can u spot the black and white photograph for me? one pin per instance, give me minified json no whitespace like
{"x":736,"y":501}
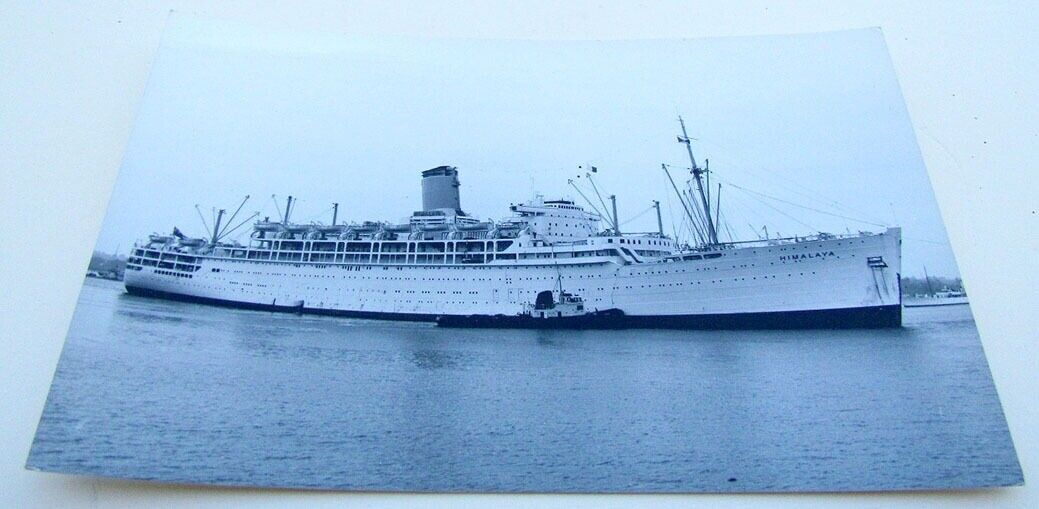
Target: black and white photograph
{"x":415,"y":264}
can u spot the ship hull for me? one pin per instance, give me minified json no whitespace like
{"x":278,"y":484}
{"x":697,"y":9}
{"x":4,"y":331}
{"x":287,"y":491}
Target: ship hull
{"x":275,"y":307}
{"x":834,"y":283}
{"x":847,"y":318}
{"x":854,"y":318}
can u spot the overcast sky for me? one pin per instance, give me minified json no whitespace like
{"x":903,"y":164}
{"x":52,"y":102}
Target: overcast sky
{"x":814,"y":120}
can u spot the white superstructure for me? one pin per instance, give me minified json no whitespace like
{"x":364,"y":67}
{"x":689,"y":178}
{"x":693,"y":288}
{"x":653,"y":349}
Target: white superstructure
{"x":444,"y":264}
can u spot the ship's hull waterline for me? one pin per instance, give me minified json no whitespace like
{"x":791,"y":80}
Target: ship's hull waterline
{"x":848,"y":282}
{"x":860,"y":318}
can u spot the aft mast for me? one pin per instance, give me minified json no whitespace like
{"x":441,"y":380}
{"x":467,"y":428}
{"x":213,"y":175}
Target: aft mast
{"x":216,"y":227}
{"x":698,"y":173}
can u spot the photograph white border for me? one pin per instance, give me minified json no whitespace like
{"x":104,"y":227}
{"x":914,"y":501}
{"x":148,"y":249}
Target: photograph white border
{"x":75,"y":75}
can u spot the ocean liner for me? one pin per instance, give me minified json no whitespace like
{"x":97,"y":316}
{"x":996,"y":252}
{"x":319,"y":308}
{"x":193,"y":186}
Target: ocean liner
{"x":552,"y":263}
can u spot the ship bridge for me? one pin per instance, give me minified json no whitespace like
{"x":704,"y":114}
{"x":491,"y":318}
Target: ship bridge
{"x":557,"y":220}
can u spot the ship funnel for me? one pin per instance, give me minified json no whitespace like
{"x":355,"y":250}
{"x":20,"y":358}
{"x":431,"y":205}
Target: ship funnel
{"x":440,"y":189}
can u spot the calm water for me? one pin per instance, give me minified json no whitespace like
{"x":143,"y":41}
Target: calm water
{"x":180,"y":392}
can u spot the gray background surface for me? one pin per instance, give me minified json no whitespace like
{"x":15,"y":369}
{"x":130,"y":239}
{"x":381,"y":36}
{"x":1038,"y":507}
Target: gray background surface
{"x":74,"y":75}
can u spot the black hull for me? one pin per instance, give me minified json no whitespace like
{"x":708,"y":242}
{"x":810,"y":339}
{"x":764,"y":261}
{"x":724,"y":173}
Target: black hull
{"x":278,"y":308}
{"x":855,"y":318}
{"x":850,"y":318}
{"x":607,"y":319}
{"x":875,"y":317}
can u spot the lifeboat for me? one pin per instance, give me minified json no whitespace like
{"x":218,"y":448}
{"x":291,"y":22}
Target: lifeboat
{"x":475,"y":226}
{"x":397,"y":228}
{"x":267,"y":226}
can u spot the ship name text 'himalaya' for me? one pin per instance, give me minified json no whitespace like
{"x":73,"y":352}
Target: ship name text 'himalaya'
{"x":552,"y":263}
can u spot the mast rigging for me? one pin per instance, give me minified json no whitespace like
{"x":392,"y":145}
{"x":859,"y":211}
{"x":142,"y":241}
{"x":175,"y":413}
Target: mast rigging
{"x":698,"y":174}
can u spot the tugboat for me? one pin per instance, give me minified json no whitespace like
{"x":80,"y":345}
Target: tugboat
{"x":545,"y":306}
{"x":547,"y":312}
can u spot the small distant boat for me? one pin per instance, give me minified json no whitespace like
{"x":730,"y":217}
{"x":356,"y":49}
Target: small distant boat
{"x":943,"y":297}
